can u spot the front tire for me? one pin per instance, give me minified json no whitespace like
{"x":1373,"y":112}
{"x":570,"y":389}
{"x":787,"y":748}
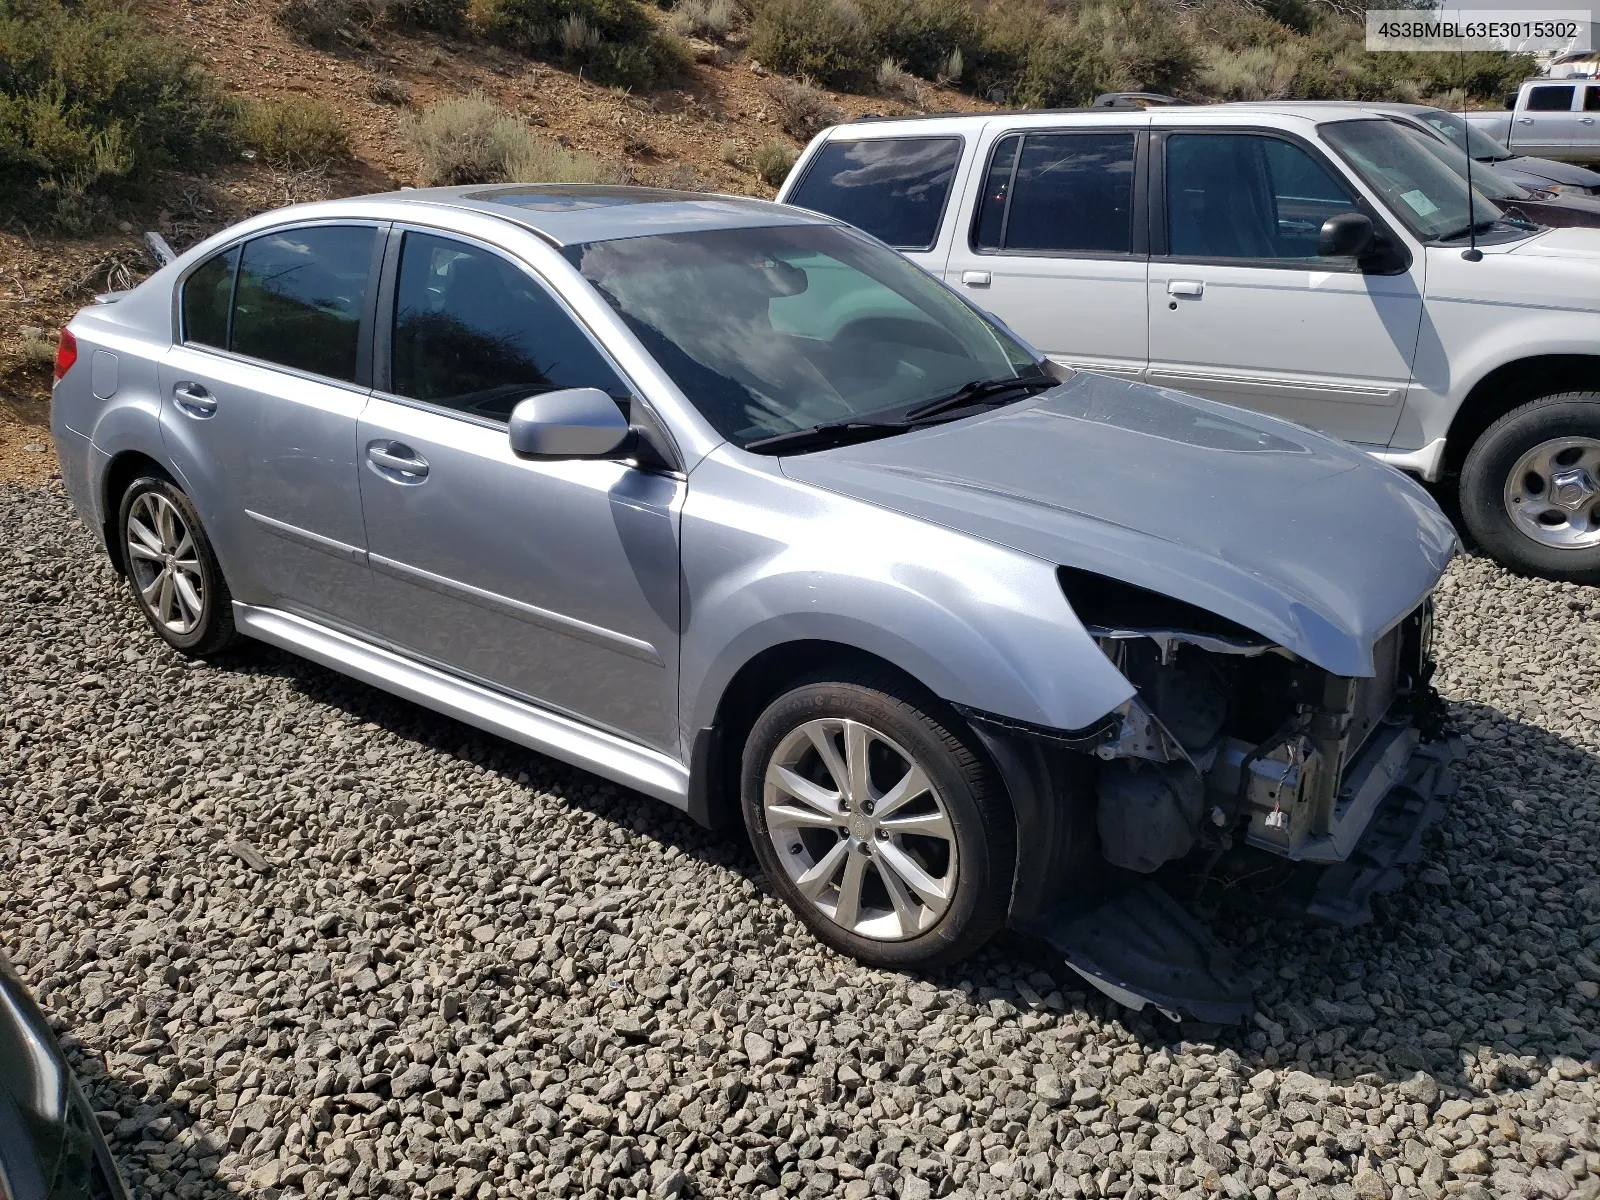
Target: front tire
{"x":1530,"y":488}
{"x":878,"y":821}
{"x":172,"y":570}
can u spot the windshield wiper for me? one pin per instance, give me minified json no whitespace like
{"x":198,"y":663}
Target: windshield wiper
{"x":979,"y":391}
{"x":831,"y":433}
{"x":1479,"y":227}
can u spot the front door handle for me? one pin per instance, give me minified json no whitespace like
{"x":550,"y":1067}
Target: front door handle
{"x":397,"y":461}
{"x":975,"y":278}
{"x":1585,"y":120}
{"x":194,"y":399}
{"x":1524,"y":120}
{"x":1185,"y":287}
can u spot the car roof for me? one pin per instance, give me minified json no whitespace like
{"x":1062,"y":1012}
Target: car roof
{"x":569,"y":214}
{"x":933,"y":124}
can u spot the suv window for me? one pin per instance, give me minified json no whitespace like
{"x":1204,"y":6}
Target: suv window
{"x":207,"y":296}
{"x":1550,"y":99}
{"x":474,"y":333}
{"x":1060,"y":192}
{"x":1240,"y":195}
{"x":1591,"y":98}
{"x":894,"y":188}
{"x":300,"y":296}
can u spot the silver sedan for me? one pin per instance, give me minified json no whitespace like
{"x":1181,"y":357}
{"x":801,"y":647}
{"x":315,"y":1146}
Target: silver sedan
{"x":727,"y":502}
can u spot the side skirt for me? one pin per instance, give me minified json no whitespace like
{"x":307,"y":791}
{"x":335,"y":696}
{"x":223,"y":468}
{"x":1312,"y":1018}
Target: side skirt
{"x":561,"y":737}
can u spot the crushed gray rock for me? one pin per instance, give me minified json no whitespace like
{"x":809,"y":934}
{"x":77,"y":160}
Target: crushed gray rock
{"x":461,"y":970}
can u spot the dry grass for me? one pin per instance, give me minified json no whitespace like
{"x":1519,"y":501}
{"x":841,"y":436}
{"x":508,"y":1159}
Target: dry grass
{"x":470,"y":139}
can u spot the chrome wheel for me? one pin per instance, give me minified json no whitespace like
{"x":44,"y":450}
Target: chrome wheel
{"x":860,"y":829}
{"x":164,"y":563}
{"x":1553,"y":493}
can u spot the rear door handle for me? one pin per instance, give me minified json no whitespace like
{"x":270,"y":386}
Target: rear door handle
{"x":975,"y":278}
{"x":1185,"y":287}
{"x":194,"y":399}
{"x":397,"y":461}
{"x":1585,"y":120}
{"x":1524,"y":120}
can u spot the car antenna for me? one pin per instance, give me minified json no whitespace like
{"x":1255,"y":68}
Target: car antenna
{"x":1471,"y":253}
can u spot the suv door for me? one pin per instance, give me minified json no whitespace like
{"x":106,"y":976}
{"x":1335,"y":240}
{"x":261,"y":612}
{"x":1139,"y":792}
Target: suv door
{"x":554,"y":580}
{"x":1244,"y":310}
{"x":260,"y":395}
{"x":1056,"y":245}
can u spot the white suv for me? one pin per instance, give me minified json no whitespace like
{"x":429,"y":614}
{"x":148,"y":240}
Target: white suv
{"x":1312,"y":263}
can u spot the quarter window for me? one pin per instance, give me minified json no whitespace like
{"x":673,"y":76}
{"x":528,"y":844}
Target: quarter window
{"x":1591,"y":98}
{"x":207,"y":296}
{"x":1247,"y":196}
{"x":894,"y":188}
{"x":299,"y":298}
{"x":1550,"y":99}
{"x":1066,"y":193}
{"x":476,"y":334}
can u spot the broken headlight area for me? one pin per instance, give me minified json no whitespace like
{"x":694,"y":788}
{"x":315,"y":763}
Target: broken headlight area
{"x":1232,"y":741}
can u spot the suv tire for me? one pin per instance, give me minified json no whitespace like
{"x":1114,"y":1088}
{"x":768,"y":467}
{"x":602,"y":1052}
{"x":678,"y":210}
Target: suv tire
{"x":878,"y":820}
{"x":172,"y":570}
{"x":1530,"y":488}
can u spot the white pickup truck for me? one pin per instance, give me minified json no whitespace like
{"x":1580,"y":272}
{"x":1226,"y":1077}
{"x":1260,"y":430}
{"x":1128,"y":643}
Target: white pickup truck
{"x":1315,"y":263}
{"x":1550,"y":118}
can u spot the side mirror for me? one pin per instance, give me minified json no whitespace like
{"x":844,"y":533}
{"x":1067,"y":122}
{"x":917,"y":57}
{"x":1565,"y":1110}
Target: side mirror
{"x":570,"y":423}
{"x":1348,"y":235}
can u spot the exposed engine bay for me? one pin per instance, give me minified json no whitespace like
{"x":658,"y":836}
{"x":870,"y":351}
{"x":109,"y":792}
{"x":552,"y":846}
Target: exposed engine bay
{"x":1232,"y":740}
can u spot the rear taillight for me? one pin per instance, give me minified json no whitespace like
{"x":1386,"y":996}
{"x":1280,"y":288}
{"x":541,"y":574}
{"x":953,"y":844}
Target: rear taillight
{"x":66,"y":353}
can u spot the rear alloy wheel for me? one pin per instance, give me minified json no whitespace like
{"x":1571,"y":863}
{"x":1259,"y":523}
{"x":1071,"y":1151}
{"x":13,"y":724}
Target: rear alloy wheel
{"x":879,"y":826}
{"x":171,"y":569}
{"x":1530,"y":488}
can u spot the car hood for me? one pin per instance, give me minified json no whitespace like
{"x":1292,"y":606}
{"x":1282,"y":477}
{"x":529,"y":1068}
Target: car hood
{"x":1571,"y":244}
{"x":1547,"y":170}
{"x":1301,"y":538}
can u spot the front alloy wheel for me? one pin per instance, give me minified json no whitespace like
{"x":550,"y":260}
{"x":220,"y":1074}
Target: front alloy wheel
{"x":860,"y":829}
{"x":878,"y":820}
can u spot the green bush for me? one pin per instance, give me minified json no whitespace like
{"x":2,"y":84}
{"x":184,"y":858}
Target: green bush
{"x":91,"y":103}
{"x":772,"y":160}
{"x":921,"y":35}
{"x":470,"y":139}
{"x":294,"y":134}
{"x":446,"y":15}
{"x":611,"y":41}
{"x":824,"y":40}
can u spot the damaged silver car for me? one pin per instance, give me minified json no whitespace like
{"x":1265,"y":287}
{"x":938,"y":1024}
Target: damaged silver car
{"x":729,"y":503}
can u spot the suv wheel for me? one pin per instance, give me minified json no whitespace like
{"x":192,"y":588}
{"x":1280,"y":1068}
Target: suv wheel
{"x":1530,"y":488}
{"x":880,"y":826}
{"x":172,"y":570}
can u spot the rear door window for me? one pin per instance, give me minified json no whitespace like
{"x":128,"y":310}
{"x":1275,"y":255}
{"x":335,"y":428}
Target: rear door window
{"x":894,"y":188}
{"x":1591,"y":98}
{"x":300,"y":296}
{"x":1064,"y":193}
{"x":207,"y":296}
{"x":1550,"y":99}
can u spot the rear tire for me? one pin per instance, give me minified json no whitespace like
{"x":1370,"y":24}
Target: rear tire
{"x":1530,"y":488}
{"x":878,"y":820}
{"x":172,"y":570}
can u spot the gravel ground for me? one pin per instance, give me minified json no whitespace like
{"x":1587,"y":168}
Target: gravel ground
{"x":304,"y":938}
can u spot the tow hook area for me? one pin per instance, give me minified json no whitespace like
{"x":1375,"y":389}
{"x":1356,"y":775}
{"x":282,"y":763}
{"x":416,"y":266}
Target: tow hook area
{"x":1135,"y":942}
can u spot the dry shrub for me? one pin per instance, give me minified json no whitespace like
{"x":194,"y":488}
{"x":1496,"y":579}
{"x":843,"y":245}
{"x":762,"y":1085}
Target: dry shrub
{"x":470,"y":139}
{"x":772,"y":160}
{"x":730,"y":153}
{"x":893,"y":80}
{"x":330,"y":24}
{"x":611,"y":41}
{"x":825,"y":40}
{"x":710,"y":19}
{"x":803,"y":111}
{"x":294,"y":135}
{"x":921,"y":35}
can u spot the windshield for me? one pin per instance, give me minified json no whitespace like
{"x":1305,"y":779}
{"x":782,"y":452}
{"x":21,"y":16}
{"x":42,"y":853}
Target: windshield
{"x":779,"y":329}
{"x":1482,"y":147}
{"x":1485,"y":179}
{"x":1416,"y":182}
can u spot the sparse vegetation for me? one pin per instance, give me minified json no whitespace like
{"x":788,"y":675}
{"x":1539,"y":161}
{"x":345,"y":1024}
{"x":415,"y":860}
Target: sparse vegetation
{"x":470,"y":139}
{"x":730,"y":153}
{"x":893,"y":80}
{"x":711,"y":19}
{"x":91,"y":105}
{"x":611,"y":41}
{"x":772,"y":161}
{"x":802,"y":110}
{"x":294,"y":135}
{"x":332,"y":24}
